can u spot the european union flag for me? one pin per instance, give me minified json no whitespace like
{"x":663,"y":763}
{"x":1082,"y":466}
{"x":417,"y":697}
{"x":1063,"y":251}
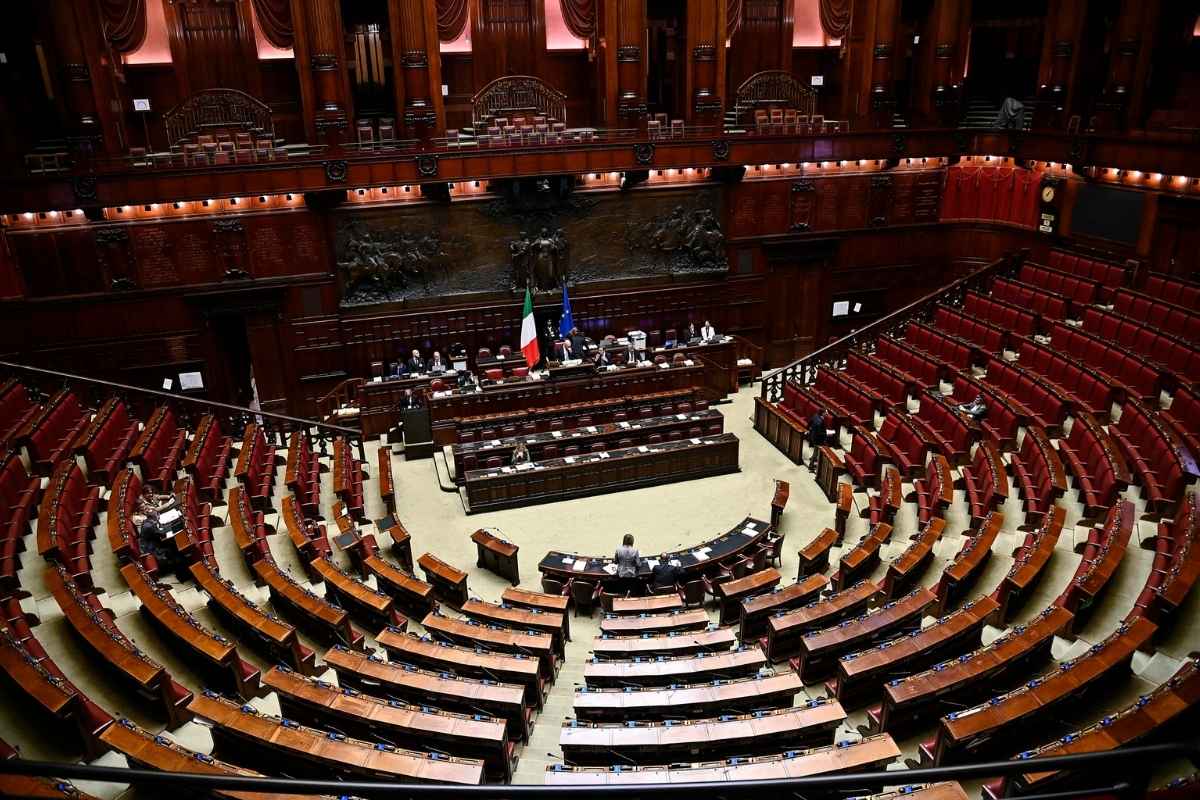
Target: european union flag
{"x":566,"y":321}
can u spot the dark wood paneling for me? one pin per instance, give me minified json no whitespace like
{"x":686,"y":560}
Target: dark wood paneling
{"x":762,"y":41}
{"x":508,"y":37}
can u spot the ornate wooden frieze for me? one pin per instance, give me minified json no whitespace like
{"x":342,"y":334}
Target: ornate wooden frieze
{"x":629,"y":54}
{"x":414,"y":59}
{"x":336,"y":171}
{"x":427,"y":166}
{"x":721,"y":150}
{"x":704,"y":52}
{"x":643,"y":153}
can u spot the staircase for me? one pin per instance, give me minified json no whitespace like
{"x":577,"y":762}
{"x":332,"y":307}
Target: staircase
{"x":981,"y":113}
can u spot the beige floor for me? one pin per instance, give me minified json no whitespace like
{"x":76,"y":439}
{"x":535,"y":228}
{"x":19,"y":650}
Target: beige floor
{"x":660,"y":518}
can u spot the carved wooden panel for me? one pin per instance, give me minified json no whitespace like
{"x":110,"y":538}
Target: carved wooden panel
{"x":212,"y":46}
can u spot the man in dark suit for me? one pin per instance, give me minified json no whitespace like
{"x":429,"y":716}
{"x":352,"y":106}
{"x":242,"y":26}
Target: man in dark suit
{"x":568,"y":351}
{"x":578,"y":342}
{"x":436,"y":364}
{"x":416,"y":363}
{"x":602,"y":360}
{"x":816,"y":437}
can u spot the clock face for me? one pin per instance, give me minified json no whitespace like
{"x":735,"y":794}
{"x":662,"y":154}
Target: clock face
{"x":1048,"y":194}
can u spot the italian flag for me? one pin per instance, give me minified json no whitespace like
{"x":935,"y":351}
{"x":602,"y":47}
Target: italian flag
{"x":529,"y":345}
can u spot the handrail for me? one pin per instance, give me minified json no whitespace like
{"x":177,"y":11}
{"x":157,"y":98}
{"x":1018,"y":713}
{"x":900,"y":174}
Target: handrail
{"x":803,"y":370}
{"x":1134,"y":776}
{"x":337,"y":397}
{"x":234,"y":419}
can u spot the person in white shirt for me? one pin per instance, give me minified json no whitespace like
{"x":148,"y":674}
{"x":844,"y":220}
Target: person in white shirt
{"x":708,"y":332}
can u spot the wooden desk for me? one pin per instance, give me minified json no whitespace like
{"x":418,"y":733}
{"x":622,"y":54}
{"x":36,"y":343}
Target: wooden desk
{"x":387,"y":487}
{"x":814,"y":556}
{"x":754,"y":611}
{"x":470,"y":632}
{"x":783,"y":491}
{"x":669,"y":644}
{"x":691,"y":700}
{"x":380,"y":402}
{"x":861,"y":675}
{"x":144,"y":750}
{"x":730,"y":594}
{"x":961,"y":573}
{"x":372,"y":608}
{"x":449,"y":583}
{"x":695,"y":619}
{"x":655,"y":741}
{"x":593,"y":473}
{"x":213,"y":651}
{"x":145,"y":675}
{"x":524,"y":598}
{"x":310,"y":611}
{"x":496,"y":554}
{"x":785,"y":630}
{"x":28,"y":787}
{"x":268,"y":633}
{"x":1028,"y":563}
{"x":819,"y":650}
{"x":322,"y":704}
{"x":470,"y":455}
{"x":862,"y":558}
{"x":528,"y":396}
{"x":1174,"y":700}
{"x":872,"y":753}
{"x":473,"y":662}
{"x":308,"y":752}
{"x":413,"y":595}
{"x":701,"y":559}
{"x":401,"y":542}
{"x":829,"y":467}
{"x":375,"y":676}
{"x":529,"y":619}
{"x":665,"y":670}
{"x":845,"y":501}
{"x":927,"y":693}
{"x":649,"y":604}
{"x":905,"y":571}
{"x":1098,"y":565}
{"x":974,"y":733}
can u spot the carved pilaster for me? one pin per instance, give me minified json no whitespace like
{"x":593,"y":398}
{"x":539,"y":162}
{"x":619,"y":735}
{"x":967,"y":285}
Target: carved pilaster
{"x":419,"y":76}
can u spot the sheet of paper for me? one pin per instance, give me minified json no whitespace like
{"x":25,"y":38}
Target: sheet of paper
{"x":580,"y":563}
{"x":611,"y":569}
{"x":651,"y":562}
{"x":569,"y":459}
{"x":695,"y":441}
{"x":643,"y":449}
{"x":556,"y":434}
{"x":569,"y":560}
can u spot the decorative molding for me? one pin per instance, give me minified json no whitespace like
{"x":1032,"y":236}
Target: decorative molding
{"x":324,"y":62}
{"x":720,"y":150}
{"x":236,"y":274}
{"x":420,"y":116}
{"x":704,"y":52}
{"x":629,"y":53}
{"x":336,"y":171}
{"x":899,"y":144}
{"x":85,"y":188}
{"x":1076,"y":150}
{"x":414,"y":59}
{"x":944,"y":51}
{"x":228,"y":226}
{"x":883,"y":50}
{"x":1129,"y":47}
{"x":79,"y":73}
{"x":881,"y":181}
{"x":108,"y":237}
{"x":643,"y":153}
{"x":804,"y":185}
{"x":331,"y":122}
{"x":631,"y":106}
{"x":707,"y":102}
{"x":123,"y":285}
{"x":1063,"y":49}
{"x":427,"y":165}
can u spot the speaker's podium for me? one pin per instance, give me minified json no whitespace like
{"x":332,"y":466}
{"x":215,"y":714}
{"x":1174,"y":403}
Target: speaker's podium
{"x":418,"y":433}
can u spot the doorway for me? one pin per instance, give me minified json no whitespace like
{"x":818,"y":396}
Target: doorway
{"x":666,"y":57}
{"x":233,"y":363}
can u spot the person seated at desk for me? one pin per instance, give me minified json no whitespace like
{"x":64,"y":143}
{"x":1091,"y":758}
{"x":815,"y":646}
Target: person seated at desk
{"x":602,"y":361}
{"x":976,"y":409}
{"x":436,"y":364}
{"x":567,"y":351}
{"x":415,"y":363}
{"x":520,"y":454}
{"x":708,"y":332}
{"x":664,"y":576}
{"x":151,"y":535}
{"x":628,"y":560}
{"x":689,"y":333}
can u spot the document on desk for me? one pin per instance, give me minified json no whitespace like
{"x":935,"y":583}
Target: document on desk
{"x":695,"y":441}
{"x":591,"y":429}
{"x":651,"y":563}
{"x":611,"y":569}
{"x":623,"y":424}
{"x":580,"y":564}
{"x":569,"y":459}
{"x":643,"y":449}
{"x":168,"y":517}
{"x":556,"y":434}
{"x":681,"y":416}
{"x":701,"y":554}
